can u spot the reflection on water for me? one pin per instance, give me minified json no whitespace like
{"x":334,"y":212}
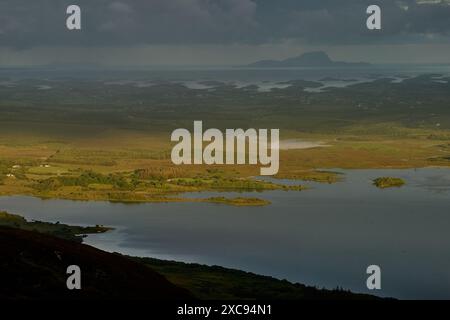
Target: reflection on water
{"x":325,"y":236}
{"x":435,"y":183}
{"x":292,"y":144}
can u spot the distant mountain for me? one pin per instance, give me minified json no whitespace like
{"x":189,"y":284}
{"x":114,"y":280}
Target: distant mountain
{"x":309,"y":59}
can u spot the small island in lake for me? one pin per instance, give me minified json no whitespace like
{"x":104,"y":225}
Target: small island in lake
{"x":239,"y":201}
{"x":388,"y":182}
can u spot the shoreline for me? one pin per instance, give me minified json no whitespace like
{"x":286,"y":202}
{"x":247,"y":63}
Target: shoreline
{"x":150,"y":278}
{"x":236,"y":201}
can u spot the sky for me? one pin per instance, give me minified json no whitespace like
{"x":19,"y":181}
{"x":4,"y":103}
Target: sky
{"x":221,"y":32}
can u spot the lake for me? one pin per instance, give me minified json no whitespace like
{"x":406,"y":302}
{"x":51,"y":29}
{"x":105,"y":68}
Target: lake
{"x":325,"y":236}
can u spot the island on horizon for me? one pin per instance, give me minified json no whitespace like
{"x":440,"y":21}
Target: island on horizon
{"x":308,"y":59}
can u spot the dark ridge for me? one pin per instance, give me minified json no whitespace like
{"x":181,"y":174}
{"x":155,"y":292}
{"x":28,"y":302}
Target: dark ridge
{"x":33,"y":266}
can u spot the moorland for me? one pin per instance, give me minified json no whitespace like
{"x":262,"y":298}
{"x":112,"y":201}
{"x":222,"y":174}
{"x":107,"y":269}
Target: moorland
{"x":94,"y":139}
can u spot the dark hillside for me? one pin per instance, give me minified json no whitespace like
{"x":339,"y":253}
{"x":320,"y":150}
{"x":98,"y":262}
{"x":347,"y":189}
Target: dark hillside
{"x":33,"y":265}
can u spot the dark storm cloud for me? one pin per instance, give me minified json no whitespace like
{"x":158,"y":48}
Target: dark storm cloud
{"x":25,"y":23}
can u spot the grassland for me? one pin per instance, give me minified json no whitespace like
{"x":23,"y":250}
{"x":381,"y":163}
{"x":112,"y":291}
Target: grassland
{"x":86,"y":140}
{"x":130,"y":166}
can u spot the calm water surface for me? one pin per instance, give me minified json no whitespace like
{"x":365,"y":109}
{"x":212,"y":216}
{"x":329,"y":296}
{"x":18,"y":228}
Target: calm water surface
{"x":325,"y":236}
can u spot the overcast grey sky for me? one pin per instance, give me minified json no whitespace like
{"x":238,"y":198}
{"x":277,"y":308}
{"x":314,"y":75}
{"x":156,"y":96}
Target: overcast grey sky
{"x":221,"y":32}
